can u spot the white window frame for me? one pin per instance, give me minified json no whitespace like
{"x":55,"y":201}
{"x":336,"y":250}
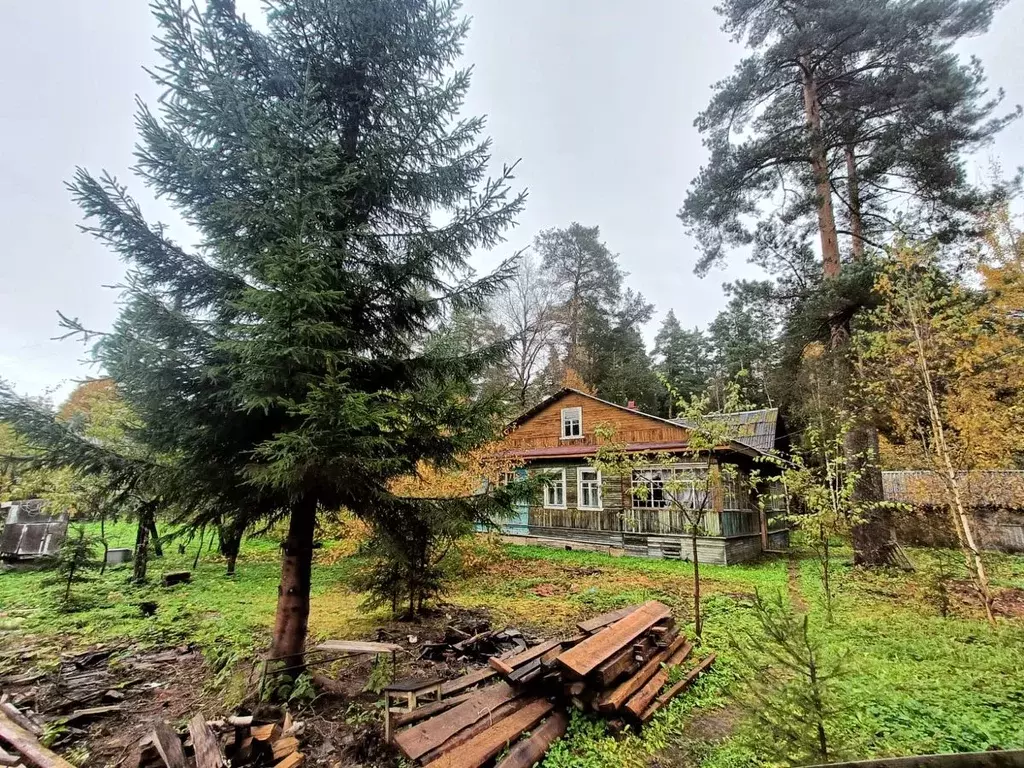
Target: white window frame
{"x":578,"y":412}
{"x":637,"y":501}
{"x":579,"y":489}
{"x":548,"y":504}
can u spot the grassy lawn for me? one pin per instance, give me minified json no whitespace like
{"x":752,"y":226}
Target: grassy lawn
{"x":914,"y":682}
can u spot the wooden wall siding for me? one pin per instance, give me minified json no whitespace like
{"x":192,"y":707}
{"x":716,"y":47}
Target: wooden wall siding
{"x":544,"y":428}
{"x":577,"y":519}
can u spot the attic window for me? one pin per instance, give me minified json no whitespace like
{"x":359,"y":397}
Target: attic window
{"x":572,"y":423}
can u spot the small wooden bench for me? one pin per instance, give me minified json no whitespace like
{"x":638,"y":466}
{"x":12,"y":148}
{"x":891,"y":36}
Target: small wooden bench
{"x":408,"y":690}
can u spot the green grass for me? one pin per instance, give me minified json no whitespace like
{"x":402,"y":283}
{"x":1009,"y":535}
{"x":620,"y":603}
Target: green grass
{"x":915,"y":682}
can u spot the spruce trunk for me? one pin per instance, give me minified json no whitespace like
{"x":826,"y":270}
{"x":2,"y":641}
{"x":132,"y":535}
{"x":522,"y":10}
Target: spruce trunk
{"x":819,"y":170}
{"x":141,"y":547}
{"x":289,"y":644}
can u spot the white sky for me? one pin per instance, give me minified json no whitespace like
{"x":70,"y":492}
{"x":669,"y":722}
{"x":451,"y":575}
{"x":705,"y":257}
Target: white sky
{"x":596,"y":97}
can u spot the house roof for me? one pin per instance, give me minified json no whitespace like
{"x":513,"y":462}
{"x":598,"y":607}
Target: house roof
{"x":981,"y":487}
{"x":753,"y":428}
{"x":742,"y":446}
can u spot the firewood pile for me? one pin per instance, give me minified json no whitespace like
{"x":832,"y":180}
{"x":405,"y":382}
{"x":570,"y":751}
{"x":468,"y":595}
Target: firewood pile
{"x":618,"y":666}
{"x":235,"y":741}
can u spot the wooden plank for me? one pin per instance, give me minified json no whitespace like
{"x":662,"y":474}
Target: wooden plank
{"x":531,"y":653}
{"x":525,"y":670}
{"x":643,"y":698}
{"x":168,"y":745}
{"x":420,"y":739}
{"x":500,"y":665}
{"x":294,"y":760}
{"x":26,"y":745}
{"x":466,"y":734}
{"x":477,"y":751}
{"x":23,"y":720}
{"x":596,"y":649}
{"x":590,"y":626}
{"x":532,"y":750}
{"x":400,"y":719}
{"x":467,"y":681}
{"x":614,"y":699}
{"x":82,"y":714}
{"x":351,"y":646}
{"x":678,"y":688}
{"x":207,"y":747}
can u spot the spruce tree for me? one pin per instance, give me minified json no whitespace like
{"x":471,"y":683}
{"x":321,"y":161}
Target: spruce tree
{"x":683,"y":359}
{"x":336,"y":194}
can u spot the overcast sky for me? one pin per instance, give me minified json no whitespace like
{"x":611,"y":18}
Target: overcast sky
{"x":597,"y":97}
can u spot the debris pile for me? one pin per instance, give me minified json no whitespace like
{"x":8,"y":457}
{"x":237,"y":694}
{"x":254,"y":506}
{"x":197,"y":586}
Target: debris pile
{"x":618,"y":666}
{"x":474,"y":641}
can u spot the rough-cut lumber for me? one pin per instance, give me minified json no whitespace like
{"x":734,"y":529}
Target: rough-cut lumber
{"x":400,"y":719}
{"x":478,"y":750}
{"x":351,"y":646}
{"x":206,"y":744}
{"x":532,"y":750}
{"x":598,"y":622}
{"x":294,"y":760}
{"x":525,"y":671}
{"x":596,"y":649}
{"x":643,"y":698}
{"x":467,"y":681}
{"x":466,"y":734}
{"x":678,"y":688}
{"x":623,"y":663}
{"x":613,"y":699}
{"x":425,"y":736}
{"x":26,"y":745}
{"x":21,"y":718}
{"x":531,"y":653}
{"x":168,"y":746}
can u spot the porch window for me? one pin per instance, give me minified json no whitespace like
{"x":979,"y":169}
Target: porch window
{"x":664,"y":487}
{"x":554,"y":490}
{"x":572,"y":423}
{"x":589,"y":488}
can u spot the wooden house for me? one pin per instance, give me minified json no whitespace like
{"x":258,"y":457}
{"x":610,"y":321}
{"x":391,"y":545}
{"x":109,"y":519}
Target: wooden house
{"x":995,"y":498}
{"x":639,"y":515}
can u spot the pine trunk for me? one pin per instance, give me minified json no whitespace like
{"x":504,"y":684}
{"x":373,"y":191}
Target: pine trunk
{"x":289,"y":643}
{"x":819,"y":170}
{"x":853,"y":190}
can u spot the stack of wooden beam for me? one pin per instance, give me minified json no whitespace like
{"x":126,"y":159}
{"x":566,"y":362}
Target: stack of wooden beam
{"x":618,"y":666}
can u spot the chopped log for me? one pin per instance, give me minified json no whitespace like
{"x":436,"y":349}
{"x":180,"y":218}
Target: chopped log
{"x":284,"y":747}
{"x":590,"y":626}
{"x":678,"y":688}
{"x":478,"y":750}
{"x":597,"y":649}
{"x":497,"y":715}
{"x":613,"y":699}
{"x":21,"y":718}
{"x":240,"y":721}
{"x":532,"y":750}
{"x":206,"y":744}
{"x":176,"y":577}
{"x":422,"y":738}
{"x":168,"y":746}
{"x":267,"y":732}
{"x":294,"y":760}
{"x":621,"y":664}
{"x":643,"y":698}
{"x":575,"y":689}
{"x":467,"y":681}
{"x":400,"y":719}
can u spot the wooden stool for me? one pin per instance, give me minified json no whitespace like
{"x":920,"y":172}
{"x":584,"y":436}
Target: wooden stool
{"x":408,"y":690}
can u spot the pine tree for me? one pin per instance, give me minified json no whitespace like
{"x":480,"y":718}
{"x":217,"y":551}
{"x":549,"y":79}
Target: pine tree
{"x":683,"y":359}
{"x":337,"y":195}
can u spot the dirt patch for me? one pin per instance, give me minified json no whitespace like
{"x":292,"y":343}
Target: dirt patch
{"x":1007,"y":602}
